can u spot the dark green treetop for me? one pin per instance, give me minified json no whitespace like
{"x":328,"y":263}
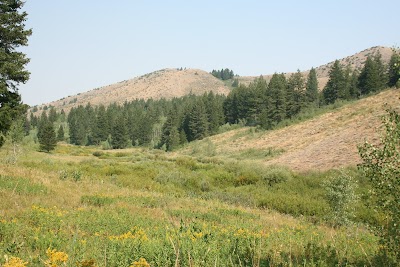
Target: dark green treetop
{"x":12,"y":63}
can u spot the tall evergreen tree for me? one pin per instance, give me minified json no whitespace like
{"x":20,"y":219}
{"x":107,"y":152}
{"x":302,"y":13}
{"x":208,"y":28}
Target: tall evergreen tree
{"x":60,"y":133}
{"x":277,"y":94}
{"x":101,"y":126}
{"x":119,"y":133}
{"x":198,"y":121}
{"x":295,"y":94}
{"x":47,"y":136}
{"x":335,"y":83}
{"x":373,"y":76}
{"x":52,"y":115}
{"x":312,"y":87}
{"x":12,"y":63}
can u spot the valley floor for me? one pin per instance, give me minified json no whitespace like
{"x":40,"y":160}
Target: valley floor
{"x":138,"y":207}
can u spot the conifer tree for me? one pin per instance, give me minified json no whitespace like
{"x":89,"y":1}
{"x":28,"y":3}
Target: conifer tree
{"x":295,"y":94}
{"x":12,"y":63}
{"x":101,"y":126}
{"x":312,"y":87}
{"x":230,"y":107}
{"x":119,"y":133}
{"x":335,"y":83}
{"x":47,"y":136}
{"x":277,"y":95}
{"x":60,"y":133}
{"x":373,"y":75}
{"x":52,"y":115}
{"x":198,"y":121}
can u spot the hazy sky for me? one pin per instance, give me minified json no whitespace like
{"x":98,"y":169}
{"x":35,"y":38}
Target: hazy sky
{"x":79,"y":45}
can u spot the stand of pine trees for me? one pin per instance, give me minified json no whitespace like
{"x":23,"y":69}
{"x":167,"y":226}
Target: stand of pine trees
{"x":169,"y":124}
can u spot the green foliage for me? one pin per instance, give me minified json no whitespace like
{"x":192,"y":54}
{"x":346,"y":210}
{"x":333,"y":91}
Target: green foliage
{"x":119,"y":134}
{"x":12,"y":63}
{"x":312,"y":87}
{"x":394,"y":69}
{"x":60,"y":133}
{"x":341,"y":197}
{"x":381,"y":166}
{"x":47,"y":136}
{"x":333,"y":89}
{"x":373,"y":76}
{"x":223,"y":74}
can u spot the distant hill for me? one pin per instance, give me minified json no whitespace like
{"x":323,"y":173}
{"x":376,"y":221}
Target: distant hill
{"x":170,"y":83}
{"x":356,"y":61}
{"x":166,"y":83}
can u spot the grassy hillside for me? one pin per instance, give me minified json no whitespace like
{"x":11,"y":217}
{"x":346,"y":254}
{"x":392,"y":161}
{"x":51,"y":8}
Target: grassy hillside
{"x":328,"y":140}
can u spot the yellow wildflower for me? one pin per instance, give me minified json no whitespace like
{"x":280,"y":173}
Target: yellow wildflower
{"x":15,"y":262}
{"x":141,"y":263}
{"x":55,"y":258}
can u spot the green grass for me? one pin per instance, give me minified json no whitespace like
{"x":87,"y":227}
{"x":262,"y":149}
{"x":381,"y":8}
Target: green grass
{"x":197,"y":211}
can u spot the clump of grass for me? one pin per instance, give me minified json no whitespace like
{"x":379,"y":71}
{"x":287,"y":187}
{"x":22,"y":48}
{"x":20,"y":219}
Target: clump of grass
{"x":97,"y":200}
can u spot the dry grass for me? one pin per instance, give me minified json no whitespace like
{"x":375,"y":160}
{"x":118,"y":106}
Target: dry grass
{"x":325,"y":142}
{"x":166,"y":83}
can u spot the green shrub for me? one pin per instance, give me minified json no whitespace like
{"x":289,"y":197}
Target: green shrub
{"x":98,"y":153}
{"x":276,"y":174}
{"x":341,"y":197}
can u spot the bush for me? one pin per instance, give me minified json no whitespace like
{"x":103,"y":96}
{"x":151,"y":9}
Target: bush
{"x":98,"y":153}
{"x":341,"y":197}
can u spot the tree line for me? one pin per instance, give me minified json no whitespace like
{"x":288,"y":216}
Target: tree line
{"x":168,"y":124}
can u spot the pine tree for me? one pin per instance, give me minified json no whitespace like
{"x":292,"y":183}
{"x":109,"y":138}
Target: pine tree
{"x":373,"y":75}
{"x":312,"y":87}
{"x":277,"y":94}
{"x":198,"y":121}
{"x":47,"y":136}
{"x":295,"y":94}
{"x":52,"y":115}
{"x":119,"y":133}
{"x":335,"y":83}
{"x":173,"y":140}
{"x":12,"y":63}
{"x":60,"y":133}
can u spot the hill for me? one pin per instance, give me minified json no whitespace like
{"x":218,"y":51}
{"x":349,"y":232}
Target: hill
{"x":170,"y":83}
{"x":166,"y":83}
{"x":355,"y":61}
{"x":321,"y":143}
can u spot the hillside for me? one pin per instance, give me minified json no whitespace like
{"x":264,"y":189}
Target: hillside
{"x":166,"y":83}
{"x":355,"y":61}
{"x":170,"y":83}
{"x":324,"y":142}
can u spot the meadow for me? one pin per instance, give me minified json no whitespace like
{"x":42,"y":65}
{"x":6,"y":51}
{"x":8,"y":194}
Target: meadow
{"x":83,"y":206}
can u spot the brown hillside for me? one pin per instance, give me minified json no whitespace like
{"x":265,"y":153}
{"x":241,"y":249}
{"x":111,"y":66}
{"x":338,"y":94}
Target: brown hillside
{"x":324,"y":142}
{"x":355,"y":61}
{"x":166,"y":83}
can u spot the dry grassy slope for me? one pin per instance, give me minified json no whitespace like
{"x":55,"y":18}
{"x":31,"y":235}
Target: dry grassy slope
{"x":325,"y":142}
{"x":166,"y":83}
{"x":355,"y":61}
